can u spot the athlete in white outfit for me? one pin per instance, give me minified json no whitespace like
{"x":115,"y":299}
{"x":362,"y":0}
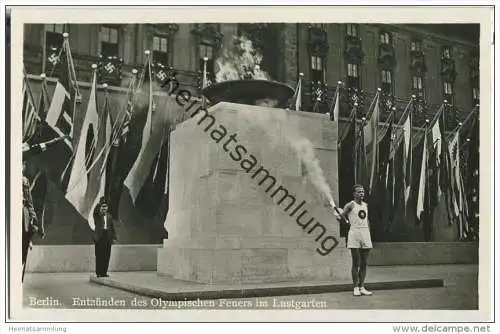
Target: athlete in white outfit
{"x":358,"y":239}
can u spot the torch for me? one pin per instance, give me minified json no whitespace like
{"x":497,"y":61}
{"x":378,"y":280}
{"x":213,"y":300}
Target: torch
{"x":341,"y":218}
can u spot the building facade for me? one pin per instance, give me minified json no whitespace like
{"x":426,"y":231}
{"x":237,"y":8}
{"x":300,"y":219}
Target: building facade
{"x":432,"y":62}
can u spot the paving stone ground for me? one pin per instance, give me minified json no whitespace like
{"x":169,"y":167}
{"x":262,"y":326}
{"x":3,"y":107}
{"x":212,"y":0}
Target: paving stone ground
{"x":460,"y":291}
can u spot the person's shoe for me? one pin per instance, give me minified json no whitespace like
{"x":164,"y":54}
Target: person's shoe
{"x":105,"y":275}
{"x":356,"y":292}
{"x":365,"y":292}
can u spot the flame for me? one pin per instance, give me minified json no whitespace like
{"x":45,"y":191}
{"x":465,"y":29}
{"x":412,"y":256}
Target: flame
{"x":242,"y":62}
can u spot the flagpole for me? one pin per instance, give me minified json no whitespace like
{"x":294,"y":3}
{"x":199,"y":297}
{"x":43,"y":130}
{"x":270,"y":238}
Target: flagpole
{"x":204,"y":82}
{"x":296,"y":99}
{"x":143,"y":72}
{"x":333,"y":105}
{"x":372,"y":104}
{"x":351,"y":116}
{"x":407,"y":109}
{"x":44,"y":49}
{"x":460,"y":124}
{"x":71,"y":65}
{"x":400,"y":123}
{"x":356,"y":141}
{"x":438,"y":114}
{"x":388,"y":120}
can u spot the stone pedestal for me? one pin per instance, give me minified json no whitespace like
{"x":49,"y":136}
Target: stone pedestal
{"x":227,"y":225}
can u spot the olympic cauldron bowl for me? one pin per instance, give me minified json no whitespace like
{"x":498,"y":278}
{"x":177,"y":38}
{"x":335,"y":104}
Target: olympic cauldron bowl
{"x":253,"y":92}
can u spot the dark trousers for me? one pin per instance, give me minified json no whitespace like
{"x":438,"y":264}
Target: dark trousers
{"x":26,"y":244}
{"x":103,"y":252}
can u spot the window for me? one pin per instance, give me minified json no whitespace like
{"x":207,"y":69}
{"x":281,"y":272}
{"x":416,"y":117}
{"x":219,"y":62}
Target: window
{"x":448,"y":88}
{"x":416,"y":45}
{"x":475,"y":93}
{"x":418,"y":87}
{"x":206,"y":50}
{"x":447,"y":52}
{"x":55,"y":28}
{"x":352,"y":30}
{"x":54,"y":36}
{"x":386,"y":77}
{"x":386,"y":81}
{"x":109,"y":41}
{"x":317,"y":69}
{"x":353,"y":75}
{"x":161,"y":50}
{"x":352,"y":70}
{"x":385,"y":38}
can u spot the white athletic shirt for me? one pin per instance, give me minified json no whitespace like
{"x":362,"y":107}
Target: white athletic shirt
{"x":358,"y":216}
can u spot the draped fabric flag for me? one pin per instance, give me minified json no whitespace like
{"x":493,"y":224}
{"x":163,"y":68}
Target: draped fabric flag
{"x":370,"y":140}
{"x":473,"y":172}
{"x":144,"y":94}
{"x":395,"y":181}
{"x":64,"y":109}
{"x":432,"y":195}
{"x":43,"y":107}
{"x":408,"y":143}
{"x":85,"y":177}
{"x":335,"y":106}
{"x":390,"y":186}
{"x":148,"y":164}
{"x":445,"y":176}
{"x":99,"y":175}
{"x":31,"y":118}
{"x":422,"y":179}
{"x":61,"y":111}
{"x":44,"y":102}
{"x":39,"y":184}
{"x":436,"y":143}
{"x":459,"y":203}
{"x":162,"y":186}
{"x":442,"y":199}
{"x":297,"y":96}
{"x":361,"y":172}
{"x":118,"y":162}
{"x":151,"y":195}
{"x":346,"y":172}
{"x":378,"y":199}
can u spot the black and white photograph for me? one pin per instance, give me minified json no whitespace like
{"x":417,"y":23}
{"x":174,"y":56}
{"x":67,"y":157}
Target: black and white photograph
{"x":245,"y":162}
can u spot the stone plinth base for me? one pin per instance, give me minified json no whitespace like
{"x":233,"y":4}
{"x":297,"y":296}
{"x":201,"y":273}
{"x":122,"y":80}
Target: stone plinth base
{"x":253,"y":261}
{"x":242,"y":205}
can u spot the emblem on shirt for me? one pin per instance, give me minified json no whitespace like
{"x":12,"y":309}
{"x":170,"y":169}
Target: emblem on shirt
{"x":362,"y":214}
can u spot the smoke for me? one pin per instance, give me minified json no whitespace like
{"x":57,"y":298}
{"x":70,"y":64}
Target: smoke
{"x":277,"y":126}
{"x":305,"y":151}
{"x":241,"y":62}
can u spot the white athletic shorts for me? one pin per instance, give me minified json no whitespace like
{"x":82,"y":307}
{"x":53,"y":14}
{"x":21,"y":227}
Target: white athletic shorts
{"x":359,"y":238}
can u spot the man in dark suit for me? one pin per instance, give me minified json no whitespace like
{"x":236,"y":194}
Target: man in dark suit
{"x":104,"y":235}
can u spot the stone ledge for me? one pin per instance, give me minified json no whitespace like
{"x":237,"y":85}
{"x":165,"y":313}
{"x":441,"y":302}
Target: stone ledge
{"x":80,"y":258}
{"x":424,"y":253}
{"x":277,"y":289}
